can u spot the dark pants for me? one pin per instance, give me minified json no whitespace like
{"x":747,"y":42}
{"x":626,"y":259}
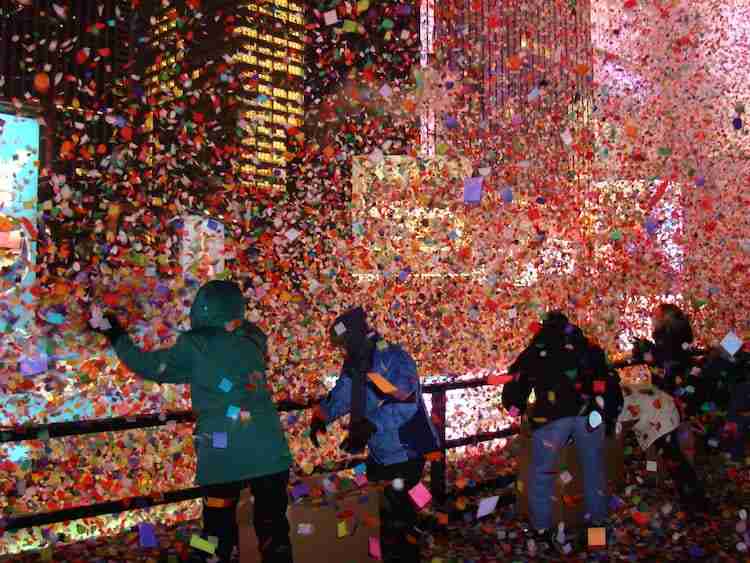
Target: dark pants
{"x":270,"y":521}
{"x":398,"y":516}
{"x":689,"y":485}
{"x":738,"y":406}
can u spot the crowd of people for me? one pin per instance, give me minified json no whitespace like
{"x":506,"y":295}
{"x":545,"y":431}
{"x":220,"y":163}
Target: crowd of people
{"x":578,"y":396}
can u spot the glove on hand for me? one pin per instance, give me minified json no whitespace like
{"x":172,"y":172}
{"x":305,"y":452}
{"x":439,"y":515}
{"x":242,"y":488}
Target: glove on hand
{"x":641,"y":347}
{"x":318,"y":424}
{"x":359,"y":434}
{"x":115,"y":329}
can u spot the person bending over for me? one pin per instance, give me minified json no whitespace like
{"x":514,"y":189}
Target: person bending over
{"x":380,"y":381}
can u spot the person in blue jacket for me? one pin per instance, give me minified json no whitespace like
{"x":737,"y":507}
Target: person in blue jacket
{"x":395,"y":426}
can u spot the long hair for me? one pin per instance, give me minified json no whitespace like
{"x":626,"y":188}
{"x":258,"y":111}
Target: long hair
{"x":676,"y":325}
{"x":673,"y":333}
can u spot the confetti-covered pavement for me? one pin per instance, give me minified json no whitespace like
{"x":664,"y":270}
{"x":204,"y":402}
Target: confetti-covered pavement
{"x":648,"y":526}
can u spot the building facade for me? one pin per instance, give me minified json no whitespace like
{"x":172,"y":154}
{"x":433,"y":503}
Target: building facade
{"x":248,"y":54}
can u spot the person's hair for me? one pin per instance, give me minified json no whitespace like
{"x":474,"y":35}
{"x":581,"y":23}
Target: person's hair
{"x":676,"y":323}
{"x":556,"y":336}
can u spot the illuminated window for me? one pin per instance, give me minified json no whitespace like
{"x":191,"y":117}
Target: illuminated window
{"x":19,"y":153}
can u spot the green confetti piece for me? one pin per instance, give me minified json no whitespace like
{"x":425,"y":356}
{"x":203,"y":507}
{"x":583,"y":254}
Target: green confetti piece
{"x":665,"y":151}
{"x":387,"y":24}
{"x":350,"y":26}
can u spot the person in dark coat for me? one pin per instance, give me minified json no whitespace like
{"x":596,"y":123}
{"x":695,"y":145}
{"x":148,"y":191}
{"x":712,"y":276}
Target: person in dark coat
{"x":238,"y":435}
{"x":395,"y":428}
{"x":726,"y":378}
{"x":578,"y":395}
{"x":672,"y":369}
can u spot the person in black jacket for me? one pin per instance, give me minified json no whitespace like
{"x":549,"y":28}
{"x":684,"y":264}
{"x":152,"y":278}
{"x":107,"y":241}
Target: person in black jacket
{"x":578,"y":395}
{"x":726,"y":382}
{"x":673,"y":372}
{"x":738,"y":409}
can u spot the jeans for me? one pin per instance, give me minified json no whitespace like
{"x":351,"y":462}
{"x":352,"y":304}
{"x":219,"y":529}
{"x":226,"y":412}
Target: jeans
{"x":270,"y":521}
{"x":547,"y":442}
{"x":398,"y":516}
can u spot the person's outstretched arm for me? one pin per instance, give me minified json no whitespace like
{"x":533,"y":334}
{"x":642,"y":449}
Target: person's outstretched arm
{"x":338,"y":401}
{"x":167,"y":365}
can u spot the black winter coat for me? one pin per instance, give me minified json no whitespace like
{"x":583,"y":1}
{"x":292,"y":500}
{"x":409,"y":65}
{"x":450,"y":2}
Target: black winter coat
{"x":699,"y":386}
{"x":567,"y":375}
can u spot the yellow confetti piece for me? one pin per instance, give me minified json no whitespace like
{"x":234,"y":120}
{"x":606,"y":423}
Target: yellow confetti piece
{"x":199,"y":543}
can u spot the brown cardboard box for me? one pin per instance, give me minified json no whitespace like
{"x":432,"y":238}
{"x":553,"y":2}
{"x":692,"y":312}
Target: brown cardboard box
{"x":356,"y":508}
{"x":248,"y":540}
{"x":318,"y":516}
{"x":568,"y":504}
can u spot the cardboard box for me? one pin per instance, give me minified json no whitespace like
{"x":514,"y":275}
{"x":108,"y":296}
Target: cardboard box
{"x":248,"y":540}
{"x":341,"y":526}
{"x":568,"y":505}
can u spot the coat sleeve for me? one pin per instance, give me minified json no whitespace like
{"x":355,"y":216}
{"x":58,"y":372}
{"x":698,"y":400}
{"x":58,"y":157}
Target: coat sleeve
{"x":516,"y":393}
{"x":398,"y":381}
{"x":168,"y":365}
{"x":338,"y":401}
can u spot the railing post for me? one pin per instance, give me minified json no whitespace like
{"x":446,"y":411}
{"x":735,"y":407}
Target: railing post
{"x":437,"y":468}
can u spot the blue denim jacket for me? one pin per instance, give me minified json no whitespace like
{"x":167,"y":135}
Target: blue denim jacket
{"x":388,"y":412}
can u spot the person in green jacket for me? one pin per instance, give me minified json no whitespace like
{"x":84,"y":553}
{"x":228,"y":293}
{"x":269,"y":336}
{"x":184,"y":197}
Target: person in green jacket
{"x":238,"y":435}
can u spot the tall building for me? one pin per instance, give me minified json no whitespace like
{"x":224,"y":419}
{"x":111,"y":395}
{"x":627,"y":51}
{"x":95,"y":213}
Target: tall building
{"x":251,"y":56}
{"x":269,"y":57}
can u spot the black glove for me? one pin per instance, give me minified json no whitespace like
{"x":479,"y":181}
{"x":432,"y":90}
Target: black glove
{"x":640,"y":348}
{"x":317,"y":425}
{"x":115,"y":330}
{"x":359,"y":434}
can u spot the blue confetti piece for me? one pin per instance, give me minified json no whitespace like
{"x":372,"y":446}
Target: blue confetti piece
{"x":507,"y":195}
{"x":473,"y":190}
{"x":146,"y":535}
{"x":34,"y":365}
{"x":225,"y":385}
{"x":233,"y":412}
{"x":55,"y":318}
{"x":220,"y":439}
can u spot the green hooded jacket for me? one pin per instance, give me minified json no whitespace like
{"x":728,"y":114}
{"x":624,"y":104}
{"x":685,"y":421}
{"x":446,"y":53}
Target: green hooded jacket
{"x":238,"y":434}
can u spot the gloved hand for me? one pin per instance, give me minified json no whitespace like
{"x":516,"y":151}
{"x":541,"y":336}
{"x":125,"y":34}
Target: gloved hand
{"x":642,"y":347}
{"x":359,"y":434}
{"x":115,"y":330}
{"x":318,"y":424}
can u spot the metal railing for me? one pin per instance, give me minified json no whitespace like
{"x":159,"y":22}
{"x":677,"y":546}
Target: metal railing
{"x":56,"y":430}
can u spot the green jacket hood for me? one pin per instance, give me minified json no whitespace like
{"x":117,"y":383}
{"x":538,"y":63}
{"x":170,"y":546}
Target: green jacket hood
{"x":217,"y":303}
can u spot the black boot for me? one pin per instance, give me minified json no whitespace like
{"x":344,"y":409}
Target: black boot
{"x":222,"y":523}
